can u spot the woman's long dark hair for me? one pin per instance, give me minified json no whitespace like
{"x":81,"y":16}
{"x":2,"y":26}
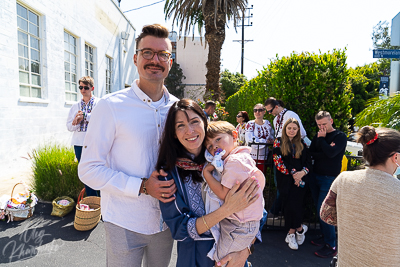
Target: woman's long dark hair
{"x":171,"y":148}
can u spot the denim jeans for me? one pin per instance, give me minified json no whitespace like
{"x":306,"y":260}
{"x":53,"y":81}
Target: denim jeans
{"x":324,"y":183}
{"x":89,"y":191}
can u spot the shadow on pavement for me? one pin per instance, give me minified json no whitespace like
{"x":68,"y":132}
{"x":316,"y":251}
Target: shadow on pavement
{"x":40,"y":234}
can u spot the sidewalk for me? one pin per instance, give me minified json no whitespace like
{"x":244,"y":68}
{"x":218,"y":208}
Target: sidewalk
{"x":8,"y":181}
{"x":44,"y":240}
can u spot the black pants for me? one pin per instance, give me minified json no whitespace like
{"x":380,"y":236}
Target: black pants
{"x":293,"y":201}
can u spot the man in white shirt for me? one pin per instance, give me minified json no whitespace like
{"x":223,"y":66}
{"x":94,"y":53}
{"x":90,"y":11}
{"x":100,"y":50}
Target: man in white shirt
{"x":275,"y":107}
{"x":79,"y":117}
{"x":120,"y":153}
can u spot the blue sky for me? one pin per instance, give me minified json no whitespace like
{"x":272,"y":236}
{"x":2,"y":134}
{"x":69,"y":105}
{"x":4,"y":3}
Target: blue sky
{"x":281,"y":27}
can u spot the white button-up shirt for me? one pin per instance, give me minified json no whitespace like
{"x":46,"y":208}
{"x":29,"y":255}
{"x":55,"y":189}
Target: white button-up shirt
{"x":78,"y":137}
{"x":121,"y":147}
{"x":280,"y":124}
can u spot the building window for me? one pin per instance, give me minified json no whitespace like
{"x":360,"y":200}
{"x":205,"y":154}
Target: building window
{"x":89,"y":61}
{"x":70,"y":67}
{"x":29,"y":52}
{"x":108,"y":74}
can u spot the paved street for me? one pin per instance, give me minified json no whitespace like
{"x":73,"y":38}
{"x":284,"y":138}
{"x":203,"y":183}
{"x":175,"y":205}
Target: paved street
{"x":44,"y":240}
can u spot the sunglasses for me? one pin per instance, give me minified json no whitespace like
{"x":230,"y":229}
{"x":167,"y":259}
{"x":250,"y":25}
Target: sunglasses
{"x":270,"y":111}
{"x":86,"y":87}
{"x":239,"y":116}
{"x":258,"y":110}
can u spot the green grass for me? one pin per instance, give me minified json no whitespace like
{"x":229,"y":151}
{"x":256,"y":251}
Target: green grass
{"x":55,"y":172}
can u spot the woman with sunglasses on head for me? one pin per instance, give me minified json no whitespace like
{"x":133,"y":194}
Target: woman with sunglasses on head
{"x":79,"y":117}
{"x":259,"y":130}
{"x":242,"y":118}
{"x":364,"y":204}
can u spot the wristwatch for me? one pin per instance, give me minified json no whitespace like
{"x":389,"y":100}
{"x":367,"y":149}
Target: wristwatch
{"x":144,"y":186}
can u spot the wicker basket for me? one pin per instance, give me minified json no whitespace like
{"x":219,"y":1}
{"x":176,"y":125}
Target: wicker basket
{"x":61,"y":210}
{"x":86,"y":220}
{"x":15,"y":214}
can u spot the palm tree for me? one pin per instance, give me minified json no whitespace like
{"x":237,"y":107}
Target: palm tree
{"x":384,"y":112}
{"x":213,"y":15}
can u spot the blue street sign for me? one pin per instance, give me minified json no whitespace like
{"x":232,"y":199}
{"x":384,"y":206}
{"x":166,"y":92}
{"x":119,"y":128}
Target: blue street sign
{"x":386,"y":53}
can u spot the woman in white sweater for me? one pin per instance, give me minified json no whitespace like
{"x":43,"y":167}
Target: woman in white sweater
{"x":364,"y":204}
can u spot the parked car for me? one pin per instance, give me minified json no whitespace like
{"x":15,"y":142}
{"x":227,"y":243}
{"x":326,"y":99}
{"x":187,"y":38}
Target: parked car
{"x":353,"y":147}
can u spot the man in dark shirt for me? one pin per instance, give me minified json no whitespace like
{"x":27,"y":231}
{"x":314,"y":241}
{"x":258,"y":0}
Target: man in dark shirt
{"x":327,"y":150}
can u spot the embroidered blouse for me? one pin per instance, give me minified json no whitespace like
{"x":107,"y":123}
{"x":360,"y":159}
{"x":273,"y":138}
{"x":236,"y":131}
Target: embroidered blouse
{"x":261,"y":134}
{"x":241,"y":129}
{"x":289,"y":164}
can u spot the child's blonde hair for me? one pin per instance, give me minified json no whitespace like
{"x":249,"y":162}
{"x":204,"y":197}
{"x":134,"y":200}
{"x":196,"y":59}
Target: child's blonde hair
{"x":217,"y":127}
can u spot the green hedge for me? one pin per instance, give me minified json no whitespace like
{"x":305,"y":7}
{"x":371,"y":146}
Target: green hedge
{"x":55,"y":172}
{"x":306,"y":83}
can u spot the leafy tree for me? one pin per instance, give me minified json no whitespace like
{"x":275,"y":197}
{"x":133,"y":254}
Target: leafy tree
{"x":306,"y":83}
{"x":384,"y":112}
{"x":231,"y":83}
{"x":381,"y":40}
{"x":213,"y":15}
{"x":364,"y":82}
{"x":174,"y":81}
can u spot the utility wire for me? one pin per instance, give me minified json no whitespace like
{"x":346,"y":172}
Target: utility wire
{"x":254,"y":62}
{"x":143,"y":6}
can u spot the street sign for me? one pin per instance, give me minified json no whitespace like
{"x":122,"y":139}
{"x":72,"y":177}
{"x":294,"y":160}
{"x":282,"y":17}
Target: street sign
{"x":386,"y":53}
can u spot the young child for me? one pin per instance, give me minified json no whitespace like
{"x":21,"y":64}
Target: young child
{"x":238,"y":230}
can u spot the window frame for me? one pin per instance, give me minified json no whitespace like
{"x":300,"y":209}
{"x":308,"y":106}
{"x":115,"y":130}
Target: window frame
{"x":71,"y":92}
{"x":88,"y":63}
{"x":29,"y":48}
{"x":109,"y":73}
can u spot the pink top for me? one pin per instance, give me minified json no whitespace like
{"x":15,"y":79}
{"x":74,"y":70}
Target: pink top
{"x":238,"y":166}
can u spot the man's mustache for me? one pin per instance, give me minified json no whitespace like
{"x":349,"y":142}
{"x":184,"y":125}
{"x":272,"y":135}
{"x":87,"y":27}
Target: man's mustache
{"x":154,"y":65}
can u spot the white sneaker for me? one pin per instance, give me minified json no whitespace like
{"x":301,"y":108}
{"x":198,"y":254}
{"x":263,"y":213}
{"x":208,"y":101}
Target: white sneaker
{"x":301,"y":237}
{"x":291,"y":240}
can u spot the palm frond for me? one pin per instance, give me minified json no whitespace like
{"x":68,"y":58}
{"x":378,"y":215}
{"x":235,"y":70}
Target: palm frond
{"x":189,"y":14}
{"x":385,"y":112}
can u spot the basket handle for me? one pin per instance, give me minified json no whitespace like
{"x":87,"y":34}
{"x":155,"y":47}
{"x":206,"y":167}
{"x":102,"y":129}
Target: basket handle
{"x":80,"y":197}
{"x":12,"y":192}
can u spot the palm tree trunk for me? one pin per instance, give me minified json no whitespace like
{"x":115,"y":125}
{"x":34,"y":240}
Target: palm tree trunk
{"x":215,"y":37}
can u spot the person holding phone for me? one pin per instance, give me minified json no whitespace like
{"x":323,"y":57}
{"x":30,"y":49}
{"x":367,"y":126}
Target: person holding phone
{"x":293,"y":162}
{"x":79,"y":117}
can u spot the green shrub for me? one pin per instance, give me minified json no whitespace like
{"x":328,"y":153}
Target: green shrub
{"x":55,"y":172}
{"x":306,"y":83}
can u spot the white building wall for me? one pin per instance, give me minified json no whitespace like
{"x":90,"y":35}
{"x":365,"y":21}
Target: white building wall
{"x":395,"y":65}
{"x":27,"y":122}
{"x":192,"y":59}
{"x":395,"y":31}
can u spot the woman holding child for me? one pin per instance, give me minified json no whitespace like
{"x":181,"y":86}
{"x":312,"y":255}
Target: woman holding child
{"x":293,"y":162}
{"x":182,"y":156}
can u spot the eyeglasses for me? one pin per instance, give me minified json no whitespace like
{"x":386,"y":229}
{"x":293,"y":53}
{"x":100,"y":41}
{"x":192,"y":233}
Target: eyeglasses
{"x":270,"y":111}
{"x":86,"y":87}
{"x":239,"y":116}
{"x":149,"y":54}
{"x":258,"y":110}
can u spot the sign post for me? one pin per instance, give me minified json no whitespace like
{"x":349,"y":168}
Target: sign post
{"x":386,"y":53}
